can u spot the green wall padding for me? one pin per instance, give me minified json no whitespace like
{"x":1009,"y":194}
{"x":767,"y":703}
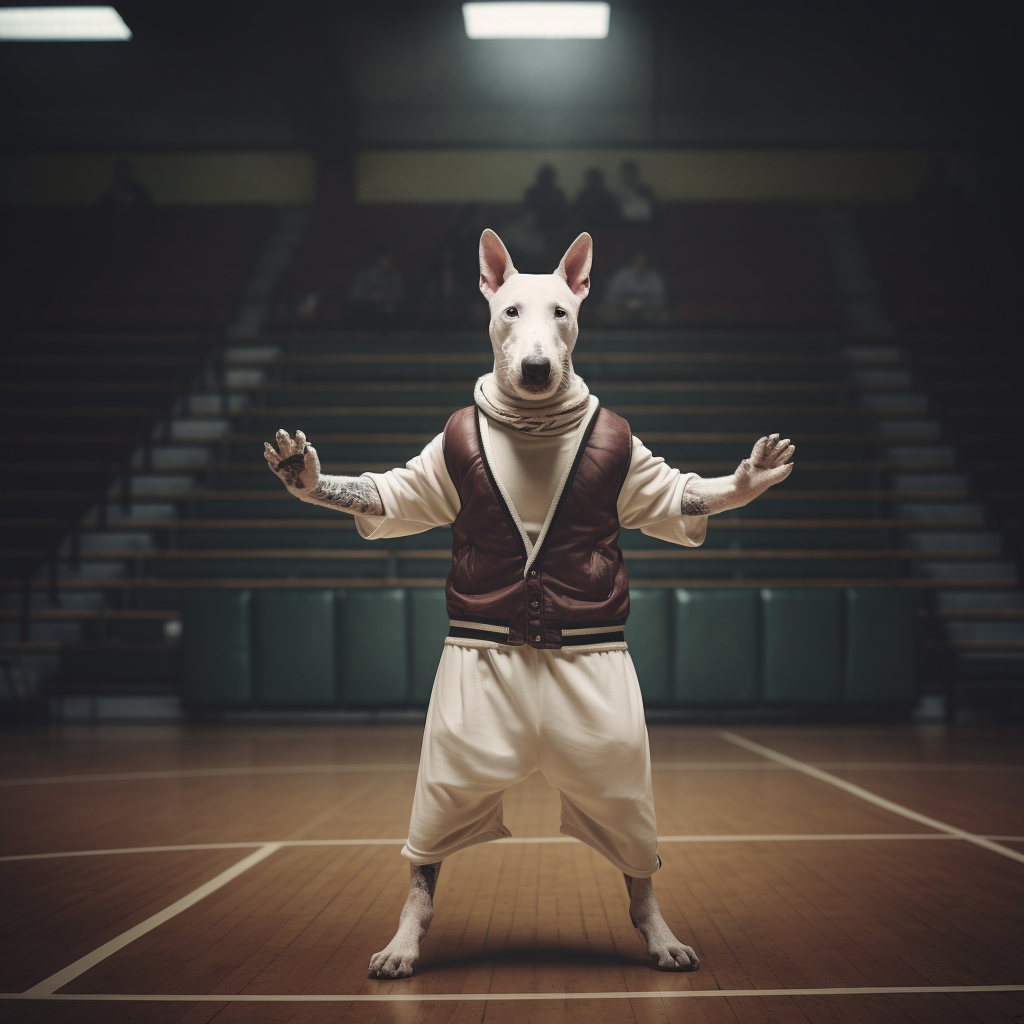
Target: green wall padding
{"x":649,"y":636}
{"x":293,"y":647}
{"x":717,"y":645}
{"x":216,"y":667}
{"x":428,"y":626}
{"x":803,"y":644}
{"x":366,"y":648}
{"x":373,"y":644}
{"x":881,"y":626}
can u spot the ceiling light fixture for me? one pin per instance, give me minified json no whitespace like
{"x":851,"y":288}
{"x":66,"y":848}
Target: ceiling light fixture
{"x":62,"y":24}
{"x":536,"y":20}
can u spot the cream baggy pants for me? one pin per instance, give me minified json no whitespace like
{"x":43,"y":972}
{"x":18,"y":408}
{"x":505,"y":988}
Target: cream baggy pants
{"x":499,"y":714}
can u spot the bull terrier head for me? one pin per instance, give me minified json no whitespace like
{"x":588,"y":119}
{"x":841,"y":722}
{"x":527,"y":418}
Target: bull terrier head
{"x":534,"y":318}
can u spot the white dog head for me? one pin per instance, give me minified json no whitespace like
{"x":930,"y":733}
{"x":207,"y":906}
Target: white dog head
{"x":533,"y":317}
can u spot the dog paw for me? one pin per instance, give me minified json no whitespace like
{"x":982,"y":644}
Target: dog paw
{"x":393,"y":962}
{"x":674,"y":957}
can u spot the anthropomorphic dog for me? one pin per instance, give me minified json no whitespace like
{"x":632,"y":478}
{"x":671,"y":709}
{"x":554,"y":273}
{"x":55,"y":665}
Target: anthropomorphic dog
{"x":535,"y":480}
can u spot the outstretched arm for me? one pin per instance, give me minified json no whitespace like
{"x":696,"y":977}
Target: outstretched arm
{"x":298,"y":468}
{"x":768,"y":465}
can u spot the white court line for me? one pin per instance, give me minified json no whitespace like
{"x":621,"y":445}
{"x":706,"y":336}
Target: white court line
{"x":871,"y":798}
{"x":203,"y":773}
{"x":767,"y":837}
{"x":493,"y":997}
{"x":915,"y":766}
{"x":333,"y":769}
{"x":50,"y":985}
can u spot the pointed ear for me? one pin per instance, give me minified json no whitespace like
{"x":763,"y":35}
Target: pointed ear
{"x":495,"y":263}
{"x":575,"y":266}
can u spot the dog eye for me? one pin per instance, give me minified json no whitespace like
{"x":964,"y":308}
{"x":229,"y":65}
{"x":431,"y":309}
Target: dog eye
{"x":511,"y":311}
{"x":559,"y":314}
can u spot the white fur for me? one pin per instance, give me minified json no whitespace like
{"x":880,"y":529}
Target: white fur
{"x":545,"y":322}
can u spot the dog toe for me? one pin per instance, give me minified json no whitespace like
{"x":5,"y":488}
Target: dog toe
{"x":394,"y":966}
{"x":665,"y":961}
{"x":686,"y":959}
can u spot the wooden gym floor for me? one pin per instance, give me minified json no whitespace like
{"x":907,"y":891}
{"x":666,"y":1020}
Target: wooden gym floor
{"x":246,"y":874}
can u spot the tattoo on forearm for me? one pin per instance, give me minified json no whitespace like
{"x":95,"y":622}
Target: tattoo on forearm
{"x":353,"y":494}
{"x":694,"y":505}
{"x":291,"y":469}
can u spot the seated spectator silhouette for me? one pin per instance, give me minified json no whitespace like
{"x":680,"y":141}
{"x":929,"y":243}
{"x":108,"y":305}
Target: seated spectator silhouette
{"x":445,"y":295}
{"x":125,"y":191}
{"x":525,"y":238}
{"x":637,"y":202}
{"x":307,"y":306}
{"x":546,"y":199}
{"x":124,"y":215}
{"x":377,"y":292}
{"x":636,"y":294}
{"x":595,"y":207}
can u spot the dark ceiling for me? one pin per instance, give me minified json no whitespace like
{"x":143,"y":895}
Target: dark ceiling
{"x":332,"y":76}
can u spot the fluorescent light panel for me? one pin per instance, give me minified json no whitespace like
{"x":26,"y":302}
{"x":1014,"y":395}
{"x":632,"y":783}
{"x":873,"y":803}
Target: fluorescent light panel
{"x":536,"y":20}
{"x":51,"y":24}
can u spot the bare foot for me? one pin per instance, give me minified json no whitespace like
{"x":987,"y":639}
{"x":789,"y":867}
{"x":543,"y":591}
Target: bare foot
{"x":399,"y":956}
{"x":667,"y":952}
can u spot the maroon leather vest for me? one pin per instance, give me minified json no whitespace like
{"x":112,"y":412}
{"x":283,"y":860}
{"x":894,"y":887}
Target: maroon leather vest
{"x":578,"y":579}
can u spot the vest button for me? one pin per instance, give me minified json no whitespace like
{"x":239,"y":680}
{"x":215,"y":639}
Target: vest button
{"x":536,"y":639}
{"x":535,"y":604}
{"x":533,"y":573}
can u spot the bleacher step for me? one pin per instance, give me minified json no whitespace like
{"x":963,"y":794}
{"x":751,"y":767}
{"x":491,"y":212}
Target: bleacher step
{"x":213,"y":404}
{"x":175,"y":455}
{"x":136,"y":510}
{"x":89,"y":570}
{"x":940,"y":455}
{"x":42,"y":632}
{"x":146,"y":483}
{"x":978,"y":601}
{"x":961,"y":540}
{"x":247,"y":377}
{"x":989,"y":631}
{"x":206,"y":429}
{"x":74,"y":600}
{"x":880,"y":378}
{"x":909,"y":428}
{"x":873,"y":353}
{"x":113,"y":541}
{"x":973,"y":511}
{"x":967,"y":570}
{"x":250,"y":354}
{"x":895,"y":402}
{"x":950,"y":483}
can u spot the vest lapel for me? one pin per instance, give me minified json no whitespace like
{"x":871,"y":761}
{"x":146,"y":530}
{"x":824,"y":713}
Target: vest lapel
{"x":500,"y":492}
{"x":582,"y":436}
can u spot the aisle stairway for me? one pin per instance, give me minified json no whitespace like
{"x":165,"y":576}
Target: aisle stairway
{"x":977,"y":637}
{"x":877,"y":505}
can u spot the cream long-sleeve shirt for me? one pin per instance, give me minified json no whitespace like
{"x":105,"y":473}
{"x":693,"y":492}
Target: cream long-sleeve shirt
{"x":421,"y":495}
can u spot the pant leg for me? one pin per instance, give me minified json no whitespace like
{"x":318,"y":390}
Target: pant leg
{"x":480,"y":737}
{"x":594,"y":749}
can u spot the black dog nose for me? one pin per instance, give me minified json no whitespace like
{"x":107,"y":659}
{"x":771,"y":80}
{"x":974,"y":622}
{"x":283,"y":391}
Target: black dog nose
{"x":536,"y":370}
